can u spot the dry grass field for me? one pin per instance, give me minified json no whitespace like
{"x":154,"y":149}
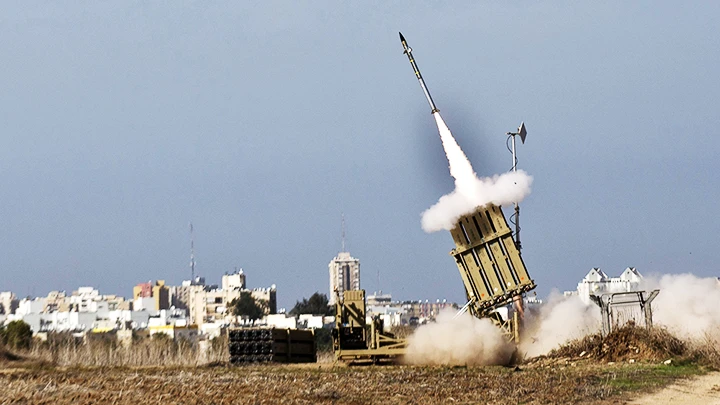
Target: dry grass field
{"x":593,"y":370}
{"x":544,"y":382}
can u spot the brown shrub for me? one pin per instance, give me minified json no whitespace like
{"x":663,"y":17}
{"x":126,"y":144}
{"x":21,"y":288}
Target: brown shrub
{"x":628,"y":342}
{"x":6,"y":356}
{"x":705,"y":352}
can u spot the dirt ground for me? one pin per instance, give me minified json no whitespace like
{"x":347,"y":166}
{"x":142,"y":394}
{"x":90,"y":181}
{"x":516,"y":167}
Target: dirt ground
{"x":556,"y":381}
{"x":701,"y":390}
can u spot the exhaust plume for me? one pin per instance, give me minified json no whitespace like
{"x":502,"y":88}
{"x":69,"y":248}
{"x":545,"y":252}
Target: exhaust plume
{"x":464,"y":340}
{"x":470,"y":191}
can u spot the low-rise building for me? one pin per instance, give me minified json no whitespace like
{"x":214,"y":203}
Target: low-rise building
{"x":187,"y":332}
{"x":234,"y":281}
{"x":596,"y":282}
{"x":208,"y":306}
{"x":158,"y":291}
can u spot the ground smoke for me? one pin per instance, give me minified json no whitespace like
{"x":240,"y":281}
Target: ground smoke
{"x":470,"y":191}
{"x":560,"y":320}
{"x":686,"y":305}
{"x":464,"y":340}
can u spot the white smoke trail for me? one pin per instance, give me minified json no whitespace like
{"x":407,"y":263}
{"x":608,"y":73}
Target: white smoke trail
{"x":464,"y":340}
{"x":470,"y":191}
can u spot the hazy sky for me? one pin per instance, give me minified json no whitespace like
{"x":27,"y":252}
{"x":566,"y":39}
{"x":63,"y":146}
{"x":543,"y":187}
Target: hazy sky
{"x":262,"y":122}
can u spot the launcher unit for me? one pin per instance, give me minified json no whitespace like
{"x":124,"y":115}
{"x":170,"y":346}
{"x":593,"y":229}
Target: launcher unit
{"x":262,"y":345}
{"x":491,"y":267}
{"x":356,"y":340}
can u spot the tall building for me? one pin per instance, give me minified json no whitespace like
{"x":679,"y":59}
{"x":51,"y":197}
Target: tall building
{"x":344,"y":275}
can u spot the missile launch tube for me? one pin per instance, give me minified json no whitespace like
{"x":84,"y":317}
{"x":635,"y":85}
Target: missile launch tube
{"x":408,"y":52}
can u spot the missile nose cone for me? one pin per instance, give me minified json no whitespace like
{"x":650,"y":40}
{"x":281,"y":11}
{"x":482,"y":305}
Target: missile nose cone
{"x":402,"y":38}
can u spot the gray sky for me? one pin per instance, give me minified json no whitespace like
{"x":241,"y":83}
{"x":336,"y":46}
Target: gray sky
{"x":262,"y":122}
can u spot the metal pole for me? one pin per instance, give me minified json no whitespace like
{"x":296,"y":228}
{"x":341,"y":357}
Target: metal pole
{"x":517,"y":207}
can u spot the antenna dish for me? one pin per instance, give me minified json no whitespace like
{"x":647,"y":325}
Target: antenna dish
{"x":522,"y":132}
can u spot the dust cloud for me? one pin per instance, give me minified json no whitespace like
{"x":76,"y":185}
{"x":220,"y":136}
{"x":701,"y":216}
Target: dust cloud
{"x":470,"y":191}
{"x":687,"y":305}
{"x":464,"y":340}
{"x":560,"y":320}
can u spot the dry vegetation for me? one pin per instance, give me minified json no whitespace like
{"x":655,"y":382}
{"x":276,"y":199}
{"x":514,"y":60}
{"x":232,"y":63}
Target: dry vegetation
{"x":631,"y":343}
{"x":105,"y":351}
{"x":347,"y":385}
{"x":100,"y":372}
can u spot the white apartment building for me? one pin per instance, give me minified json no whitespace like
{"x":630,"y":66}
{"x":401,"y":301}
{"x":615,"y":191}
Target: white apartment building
{"x":596,"y":282}
{"x":234,"y":281}
{"x":344,"y":275}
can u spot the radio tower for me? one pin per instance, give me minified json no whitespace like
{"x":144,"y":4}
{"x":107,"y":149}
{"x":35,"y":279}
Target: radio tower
{"x":342,"y":226}
{"x":192,"y":255}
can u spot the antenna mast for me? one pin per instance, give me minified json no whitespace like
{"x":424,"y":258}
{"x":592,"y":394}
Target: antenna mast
{"x":511,"y":135}
{"x":343,"y":231}
{"x":192,"y":255}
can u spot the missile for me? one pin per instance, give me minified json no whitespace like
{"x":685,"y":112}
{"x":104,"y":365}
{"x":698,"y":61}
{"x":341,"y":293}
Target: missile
{"x":408,"y":52}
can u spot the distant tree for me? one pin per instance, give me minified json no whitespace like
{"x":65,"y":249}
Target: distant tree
{"x":317,"y":304}
{"x":161,"y":337}
{"x":16,"y":335}
{"x":248,"y":306}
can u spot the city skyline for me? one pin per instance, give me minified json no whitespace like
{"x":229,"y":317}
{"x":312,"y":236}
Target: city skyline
{"x":262,"y":124}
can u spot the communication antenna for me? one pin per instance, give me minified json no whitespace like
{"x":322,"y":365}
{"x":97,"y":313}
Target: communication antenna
{"x":515,"y":218}
{"x":192,"y":255}
{"x":342,"y":226}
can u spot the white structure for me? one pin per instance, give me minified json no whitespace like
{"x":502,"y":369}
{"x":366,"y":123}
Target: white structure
{"x":281,"y":321}
{"x":234,"y":281}
{"x":31,"y":306}
{"x":344,"y":274}
{"x":85,"y":299}
{"x":9,"y":303}
{"x":309,"y":321}
{"x":144,"y":304}
{"x":82,"y":311}
{"x":596,"y":282}
{"x":379,"y":299}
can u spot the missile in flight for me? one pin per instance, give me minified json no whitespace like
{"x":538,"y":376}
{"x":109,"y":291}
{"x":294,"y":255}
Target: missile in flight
{"x":408,"y":52}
